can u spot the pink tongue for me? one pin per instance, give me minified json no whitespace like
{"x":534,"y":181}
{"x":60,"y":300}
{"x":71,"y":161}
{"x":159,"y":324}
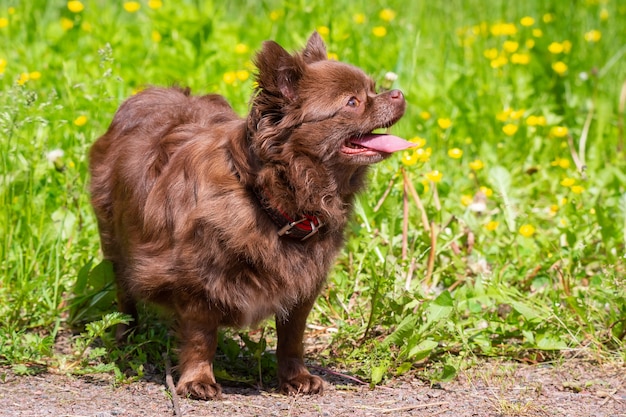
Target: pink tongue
{"x":382,"y":142}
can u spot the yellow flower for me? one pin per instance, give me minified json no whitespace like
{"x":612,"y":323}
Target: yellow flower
{"x":242,"y":75}
{"x":387,"y":15}
{"x":35,"y":75}
{"x":241,"y":48}
{"x":492,"y":225}
{"x":423,"y":155}
{"x":488,"y":192}
{"x":4,"y":22}
{"x":503,"y":29}
{"x":593,"y":36}
{"x":359,"y":18}
{"x":554,"y":208}
{"x":409,"y":158}
{"x":86,"y":26}
{"x":155,"y":4}
{"x":75,"y":6}
{"x":559,"y":67}
{"x":537,"y":33}
{"x":23,"y":78}
{"x":425,"y":115}
{"x":568,"y":182}
{"x":536,"y":120}
{"x":332,"y":56}
{"x":323,"y":30}
{"x":80,"y":120}
{"x":510,"y":46}
{"x":604,"y":15}
{"x":527,"y":230}
{"x":521,"y":59}
{"x":567,"y":46}
{"x":503,"y":115}
{"x":230,"y":77}
{"x":530,"y":43}
{"x":500,"y":61}
{"x":561,"y":162}
{"x":444,"y":123}
{"x":577,"y":189}
{"x":555,"y":48}
{"x":275,"y":15}
{"x":491,"y":53}
{"x":66,"y":23}
{"x":434,"y":176}
{"x":476,"y":165}
{"x":509,"y":129}
{"x":379,"y":31}
{"x":517,"y":114}
{"x":466,"y":199}
{"x":3,"y":65}
{"x":419,"y":142}
{"x":548,"y":17}
{"x":132,"y":6}
{"x":455,"y":153}
{"x":559,"y":131}
{"x":527,"y":21}
{"x":156,"y":36}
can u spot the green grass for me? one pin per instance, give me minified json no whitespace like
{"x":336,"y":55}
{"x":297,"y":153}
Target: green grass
{"x":530,"y":130}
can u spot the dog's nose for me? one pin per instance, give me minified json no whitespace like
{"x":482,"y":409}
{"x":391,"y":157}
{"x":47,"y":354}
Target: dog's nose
{"x":396,"y":94}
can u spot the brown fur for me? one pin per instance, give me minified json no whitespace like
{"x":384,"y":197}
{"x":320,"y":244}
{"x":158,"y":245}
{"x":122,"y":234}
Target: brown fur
{"x":173,"y":183}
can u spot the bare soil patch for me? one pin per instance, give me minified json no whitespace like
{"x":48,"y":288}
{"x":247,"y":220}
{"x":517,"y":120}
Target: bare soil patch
{"x":574,"y":388}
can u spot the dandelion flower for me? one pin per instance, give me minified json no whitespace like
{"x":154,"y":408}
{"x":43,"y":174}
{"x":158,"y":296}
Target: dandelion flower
{"x":423,"y":155}
{"x":499,"y":62}
{"x":568,"y":182}
{"x":577,"y":189}
{"x":527,"y":21}
{"x":66,"y":23}
{"x":155,"y":4}
{"x":75,"y":6}
{"x":425,"y":115}
{"x":537,"y":33}
{"x":455,"y":153}
{"x":530,"y":43}
{"x":3,"y":65}
{"x":548,"y":17}
{"x":517,"y":114}
{"x":593,"y":36}
{"x":466,"y":199}
{"x":559,"y":67}
{"x":23,"y":78}
{"x":418,"y":141}
{"x":527,"y":230}
{"x":359,"y":18}
{"x":332,"y":56}
{"x":242,"y":75}
{"x":434,"y":176}
{"x":521,"y":59}
{"x":476,"y":165}
{"x":80,"y":120}
{"x":555,"y":48}
{"x":323,"y":30}
{"x":409,"y":158}
{"x":561,"y":162}
{"x":444,"y":123}
{"x":488,"y":192}
{"x":387,"y":15}
{"x":379,"y":31}
{"x":559,"y":131}
{"x":156,"y":36}
{"x":491,"y":53}
{"x":35,"y":75}
{"x":275,"y":15}
{"x":510,"y":46}
{"x":492,"y":225}
{"x":230,"y":77}
{"x":503,"y":115}
{"x":132,"y":6}
{"x":509,"y":129}
{"x":4,"y":22}
{"x":604,"y":15}
{"x":241,"y":48}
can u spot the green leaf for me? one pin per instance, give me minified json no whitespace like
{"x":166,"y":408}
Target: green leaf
{"x":422,"y":350}
{"x":377,"y":374}
{"x":550,"y":342}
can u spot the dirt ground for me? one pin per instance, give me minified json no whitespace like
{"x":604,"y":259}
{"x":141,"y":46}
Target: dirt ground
{"x":575,"y":388}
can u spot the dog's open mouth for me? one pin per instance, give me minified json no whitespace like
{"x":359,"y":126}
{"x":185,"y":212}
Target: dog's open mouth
{"x":375,"y":143}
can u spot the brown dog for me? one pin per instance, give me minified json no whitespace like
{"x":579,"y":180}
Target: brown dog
{"x":227,"y":220}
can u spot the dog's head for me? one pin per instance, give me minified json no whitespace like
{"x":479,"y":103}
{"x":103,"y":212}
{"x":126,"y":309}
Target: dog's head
{"x":307,"y":105}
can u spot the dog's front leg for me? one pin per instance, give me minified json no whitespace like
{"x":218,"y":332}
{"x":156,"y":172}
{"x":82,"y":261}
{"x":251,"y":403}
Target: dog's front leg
{"x":198,"y":342}
{"x":293,"y":376}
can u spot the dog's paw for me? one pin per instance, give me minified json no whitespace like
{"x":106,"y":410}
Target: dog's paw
{"x":199,"y":390}
{"x":302,"y":384}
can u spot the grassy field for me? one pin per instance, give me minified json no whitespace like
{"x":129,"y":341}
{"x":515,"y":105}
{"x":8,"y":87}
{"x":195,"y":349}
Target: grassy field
{"x":503,"y":234}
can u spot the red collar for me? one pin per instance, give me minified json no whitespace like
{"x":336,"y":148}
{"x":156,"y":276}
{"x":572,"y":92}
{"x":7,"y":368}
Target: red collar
{"x":306,"y":226}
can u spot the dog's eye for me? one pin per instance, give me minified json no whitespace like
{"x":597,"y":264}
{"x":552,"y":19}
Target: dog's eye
{"x":353,"y":102}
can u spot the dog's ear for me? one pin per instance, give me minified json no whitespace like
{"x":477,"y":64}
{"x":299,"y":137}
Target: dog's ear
{"x":315,"y":49}
{"x":279,"y":72}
